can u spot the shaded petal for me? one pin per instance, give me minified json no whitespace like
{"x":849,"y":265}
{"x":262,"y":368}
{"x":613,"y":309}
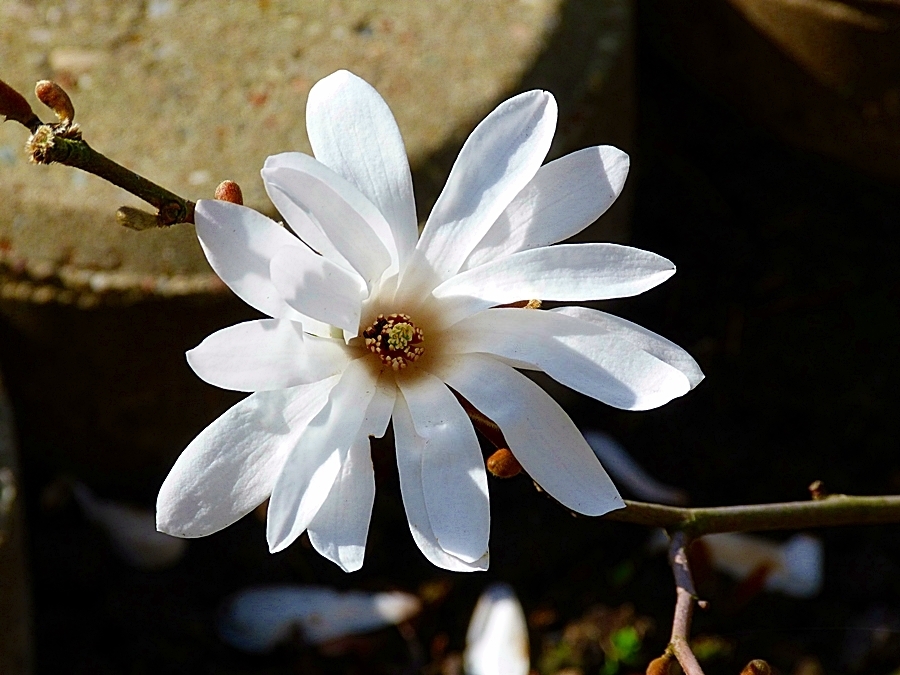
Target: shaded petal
{"x":454,"y":481}
{"x":313,"y":464}
{"x":239,"y":243}
{"x":230,"y":467}
{"x":568,"y":272}
{"x":317,"y":287}
{"x":565,"y":196}
{"x":351,"y":222}
{"x":650,"y":342}
{"x":410,"y":450}
{"x":546,"y":442}
{"x":498,"y":159}
{"x":352,"y":131}
{"x":340,"y":528}
{"x":577,"y":353}
{"x":265,"y":355}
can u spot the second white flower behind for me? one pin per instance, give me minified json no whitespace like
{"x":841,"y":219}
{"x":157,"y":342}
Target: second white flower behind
{"x":371,"y":323}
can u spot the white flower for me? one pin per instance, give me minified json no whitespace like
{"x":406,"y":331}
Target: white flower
{"x":371,"y":324}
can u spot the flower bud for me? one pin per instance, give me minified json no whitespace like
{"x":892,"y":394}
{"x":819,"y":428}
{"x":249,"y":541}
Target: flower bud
{"x":660,"y":665}
{"x":54,"y":97}
{"x":504,"y":464}
{"x":229,"y":191}
{"x":757,"y":667}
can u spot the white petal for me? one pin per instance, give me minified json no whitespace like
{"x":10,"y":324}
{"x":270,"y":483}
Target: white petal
{"x":576,"y":353}
{"x":230,"y":467}
{"x":350,"y":221}
{"x":352,"y":131}
{"x":650,"y":342}
{"x":540,"y":434}
{"x":239,"y":243}
{"x":497,"y":638}
{"x":313,"y":465}
{"x":568,"y":272}
{"x":317,"y":287}
{"x":265,"y":355}
{"x":454,"y":481}
{"x":410,"y":449}
{"x":378,"y":416}
{"x":565,"y":196}
{"x":302,"y":223}
{"x":340,"y":528}
{"x":499,"y":158}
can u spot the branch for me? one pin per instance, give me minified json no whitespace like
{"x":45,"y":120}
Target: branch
{"x":48,"y":145}
{"x":827,"y":512}
{"x":679,"y":644}
{"x":62,"y":143}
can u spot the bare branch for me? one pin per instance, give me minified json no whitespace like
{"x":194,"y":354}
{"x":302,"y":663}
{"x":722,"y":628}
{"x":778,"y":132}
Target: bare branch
{"x":679,"y":644}
{"x":830,"y":511}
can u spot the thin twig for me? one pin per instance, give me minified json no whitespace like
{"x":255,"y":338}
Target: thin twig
{"x":679,"y":644}
{"x":76,"y":152}
{"x":62,"y":144}
{"x":830,"y":511}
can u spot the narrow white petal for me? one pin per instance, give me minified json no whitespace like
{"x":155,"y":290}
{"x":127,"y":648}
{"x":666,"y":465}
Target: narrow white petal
{"x":497,"y":638}
{"x":540,"y":434}
{"x":454,"y":481}
{"x":350,"y":221}
{"x":313,"y":464}
{"x":239,"y":243}
{"x":303,"y":224}
{"x":577,"y":353}
{"x":231,"y":466}
{"x":410,"y":449}
{"x":378,"y":415}
{"x":317,"y":287}
{"x":499,"y":158}
{"x":340,"y":528}
{"x":565,"y":196}
{"x":650,"y":342}
{"x":264,"y":355}
{"x":352,"y":131}
{"x":568,"y":272}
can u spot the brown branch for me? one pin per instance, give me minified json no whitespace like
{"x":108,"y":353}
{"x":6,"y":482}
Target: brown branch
{"x":55,"y":143}
{"x":679,"y":644}
{"x":62,"y":144}
{"x":830,"y":511}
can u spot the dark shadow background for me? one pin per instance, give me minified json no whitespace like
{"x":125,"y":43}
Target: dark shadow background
{"x":787,"y":294}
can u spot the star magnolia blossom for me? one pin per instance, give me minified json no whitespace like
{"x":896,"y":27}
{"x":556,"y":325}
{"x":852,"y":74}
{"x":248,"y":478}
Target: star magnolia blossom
{"x":371,"y":323}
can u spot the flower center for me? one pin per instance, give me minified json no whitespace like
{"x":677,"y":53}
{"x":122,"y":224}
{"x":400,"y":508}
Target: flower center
{"x":395,"y":339}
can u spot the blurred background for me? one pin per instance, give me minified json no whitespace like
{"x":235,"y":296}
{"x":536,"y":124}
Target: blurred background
{"x":765,"y":145}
